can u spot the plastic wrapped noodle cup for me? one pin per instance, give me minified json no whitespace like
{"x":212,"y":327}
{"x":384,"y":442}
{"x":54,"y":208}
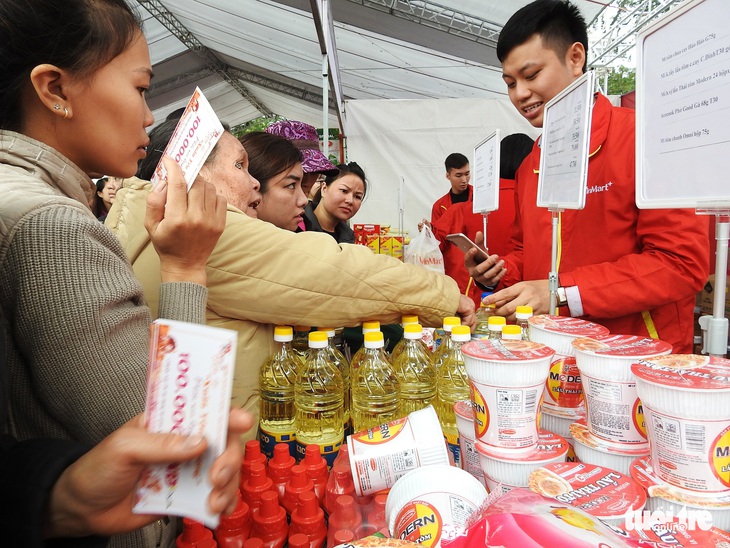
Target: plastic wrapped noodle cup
{"x":432,"y":504}
{"x":614,"y":411}
{"x":508,"y":472}
{"x":558,"y":332}
{"x":602,"y":492}
{"x":687,"y":407}
{"x":674,"y":501}
{"x":467,"y":443}
{"x":593,"y":450}
{"x":380,"y":456}
{"x":506,"y":381}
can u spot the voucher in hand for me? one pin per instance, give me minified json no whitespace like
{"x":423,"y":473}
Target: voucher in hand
{"x":189,"y":383}
{"x":194,"y":138}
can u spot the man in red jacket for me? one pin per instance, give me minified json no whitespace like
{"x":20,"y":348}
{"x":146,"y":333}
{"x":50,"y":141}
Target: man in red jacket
{"x":458,"y":174}
{"x":636,"y":271}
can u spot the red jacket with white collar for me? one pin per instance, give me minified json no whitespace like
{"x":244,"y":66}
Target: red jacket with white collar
{"x":637,"y":271}
{"x":460,"y":218}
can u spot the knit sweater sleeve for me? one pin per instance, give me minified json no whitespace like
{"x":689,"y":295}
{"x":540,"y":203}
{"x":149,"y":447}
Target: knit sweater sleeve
{"x":79,"y":321}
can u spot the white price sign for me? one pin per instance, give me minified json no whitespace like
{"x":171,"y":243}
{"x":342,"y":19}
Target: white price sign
{"x":486,"y":174}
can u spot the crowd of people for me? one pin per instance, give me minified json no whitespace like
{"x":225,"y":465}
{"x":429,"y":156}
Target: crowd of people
{"x":260,"y":239}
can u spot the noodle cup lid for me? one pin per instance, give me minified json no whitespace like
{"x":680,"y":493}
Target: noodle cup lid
{"x":437,"y":479}
{"x":685,"y":371}
{"x":643,"y":473}
{"x":567,"y":325}
{"x":506,"y":350}
{"x":464,"y":409}
{"x":621,"y":346}
{"x":550,"y":447}
{"x":600,"y":491}
{"x":581,"y":434}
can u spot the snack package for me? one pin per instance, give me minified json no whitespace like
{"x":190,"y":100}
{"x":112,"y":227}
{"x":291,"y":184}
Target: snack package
{"x":189,"y":383}
{"x":523,"y":519}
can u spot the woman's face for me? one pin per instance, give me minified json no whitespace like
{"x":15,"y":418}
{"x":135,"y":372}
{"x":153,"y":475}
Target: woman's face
{"x":283,"y":202}
{"x":106,"y":130}
{"x":228,"y":171}
{"x":343,"y":197}
{"x":109,"y":192}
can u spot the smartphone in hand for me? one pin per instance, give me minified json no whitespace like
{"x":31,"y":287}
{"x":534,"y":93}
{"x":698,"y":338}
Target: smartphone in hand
{"x":461,"y":241}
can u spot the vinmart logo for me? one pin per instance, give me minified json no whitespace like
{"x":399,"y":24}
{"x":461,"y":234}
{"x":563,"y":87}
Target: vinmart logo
{"x":661,"y":522}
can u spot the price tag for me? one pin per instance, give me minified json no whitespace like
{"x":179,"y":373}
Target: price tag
{"x":486,"y":174}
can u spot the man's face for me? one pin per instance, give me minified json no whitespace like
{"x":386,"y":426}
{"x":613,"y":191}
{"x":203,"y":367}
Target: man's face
{"x":459,"y":178}
{"x":534,"y":74}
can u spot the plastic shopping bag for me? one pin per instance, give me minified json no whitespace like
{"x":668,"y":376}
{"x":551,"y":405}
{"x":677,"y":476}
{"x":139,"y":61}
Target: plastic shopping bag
{"x":424,"y":250}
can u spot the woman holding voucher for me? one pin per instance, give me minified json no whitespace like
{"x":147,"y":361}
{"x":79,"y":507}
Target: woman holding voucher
{"x":76,"y":323}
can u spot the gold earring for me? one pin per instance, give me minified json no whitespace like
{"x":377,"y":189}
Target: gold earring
{"x":65,"y":113}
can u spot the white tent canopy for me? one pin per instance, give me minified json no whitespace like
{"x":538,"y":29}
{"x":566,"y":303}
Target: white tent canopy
{"x":253,"y":57}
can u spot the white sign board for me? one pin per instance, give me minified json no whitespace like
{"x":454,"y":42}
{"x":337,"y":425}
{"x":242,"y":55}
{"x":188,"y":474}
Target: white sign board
{"x":683,"y":108}
{"x":564,"y":146}
{"x":485,"y":172}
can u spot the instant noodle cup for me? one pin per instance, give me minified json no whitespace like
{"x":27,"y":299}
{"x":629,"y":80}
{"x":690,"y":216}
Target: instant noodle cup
{"x":563,"y":393}
{"x":687,"y":406}
{"x":558,"y":332}
{"x":467,"y":443}
{"x":506,"y":380}
{"x":602,"y":492}
{"x":613,"y":409}
{"x":673,"y":501}
{"x":380,"y":456}
{"x":593,"y":450}
{"x":432,"y":503}
{"x":561,"y":426}
{"x":510,"y":472}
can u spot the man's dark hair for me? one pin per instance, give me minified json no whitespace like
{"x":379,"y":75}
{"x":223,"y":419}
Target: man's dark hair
{"x":558,"y":22}
{"x":455,"y":160}
{"x":512,"y":150}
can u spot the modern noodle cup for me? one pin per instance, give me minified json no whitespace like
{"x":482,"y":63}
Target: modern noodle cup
{"x":563,"y":389}
{"x":613,"y":409}
{"x":590,"y":449}
{"x":558,"y":332}
{"x":432,"y":503}
{"x":380,"y":456}
{"x":687,"y":411}
{"x":609,"y":357}
{"x":557,"y":424}
{"x":464,"y":412}
{"x":602,"y":492}
{"x":670,"y":498}
{"x":514,"y":471}
{"x":506,"y":380}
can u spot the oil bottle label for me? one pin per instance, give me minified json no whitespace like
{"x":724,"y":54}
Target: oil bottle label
{"x":452,"y":444}
{"x":329,"y":452}
{"x":270,"y":439}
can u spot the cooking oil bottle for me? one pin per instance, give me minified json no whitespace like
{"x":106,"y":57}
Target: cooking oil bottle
{"x":523,"y":315}
{"x":398,"y":348}
{"x":511,"y":332}
{"x":367,"y":327}
{"x":496,"y":323}
{"x":300,"y":344}
{"x":338,"y":358}
{"x":486,"y":311}
{"x":445,"y":344}
{"x":452,"y":385}
{"x":415,"y":372}
{"x":375,"y":389}
{"x":319,"y":401}
{"x":276,"y":383}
